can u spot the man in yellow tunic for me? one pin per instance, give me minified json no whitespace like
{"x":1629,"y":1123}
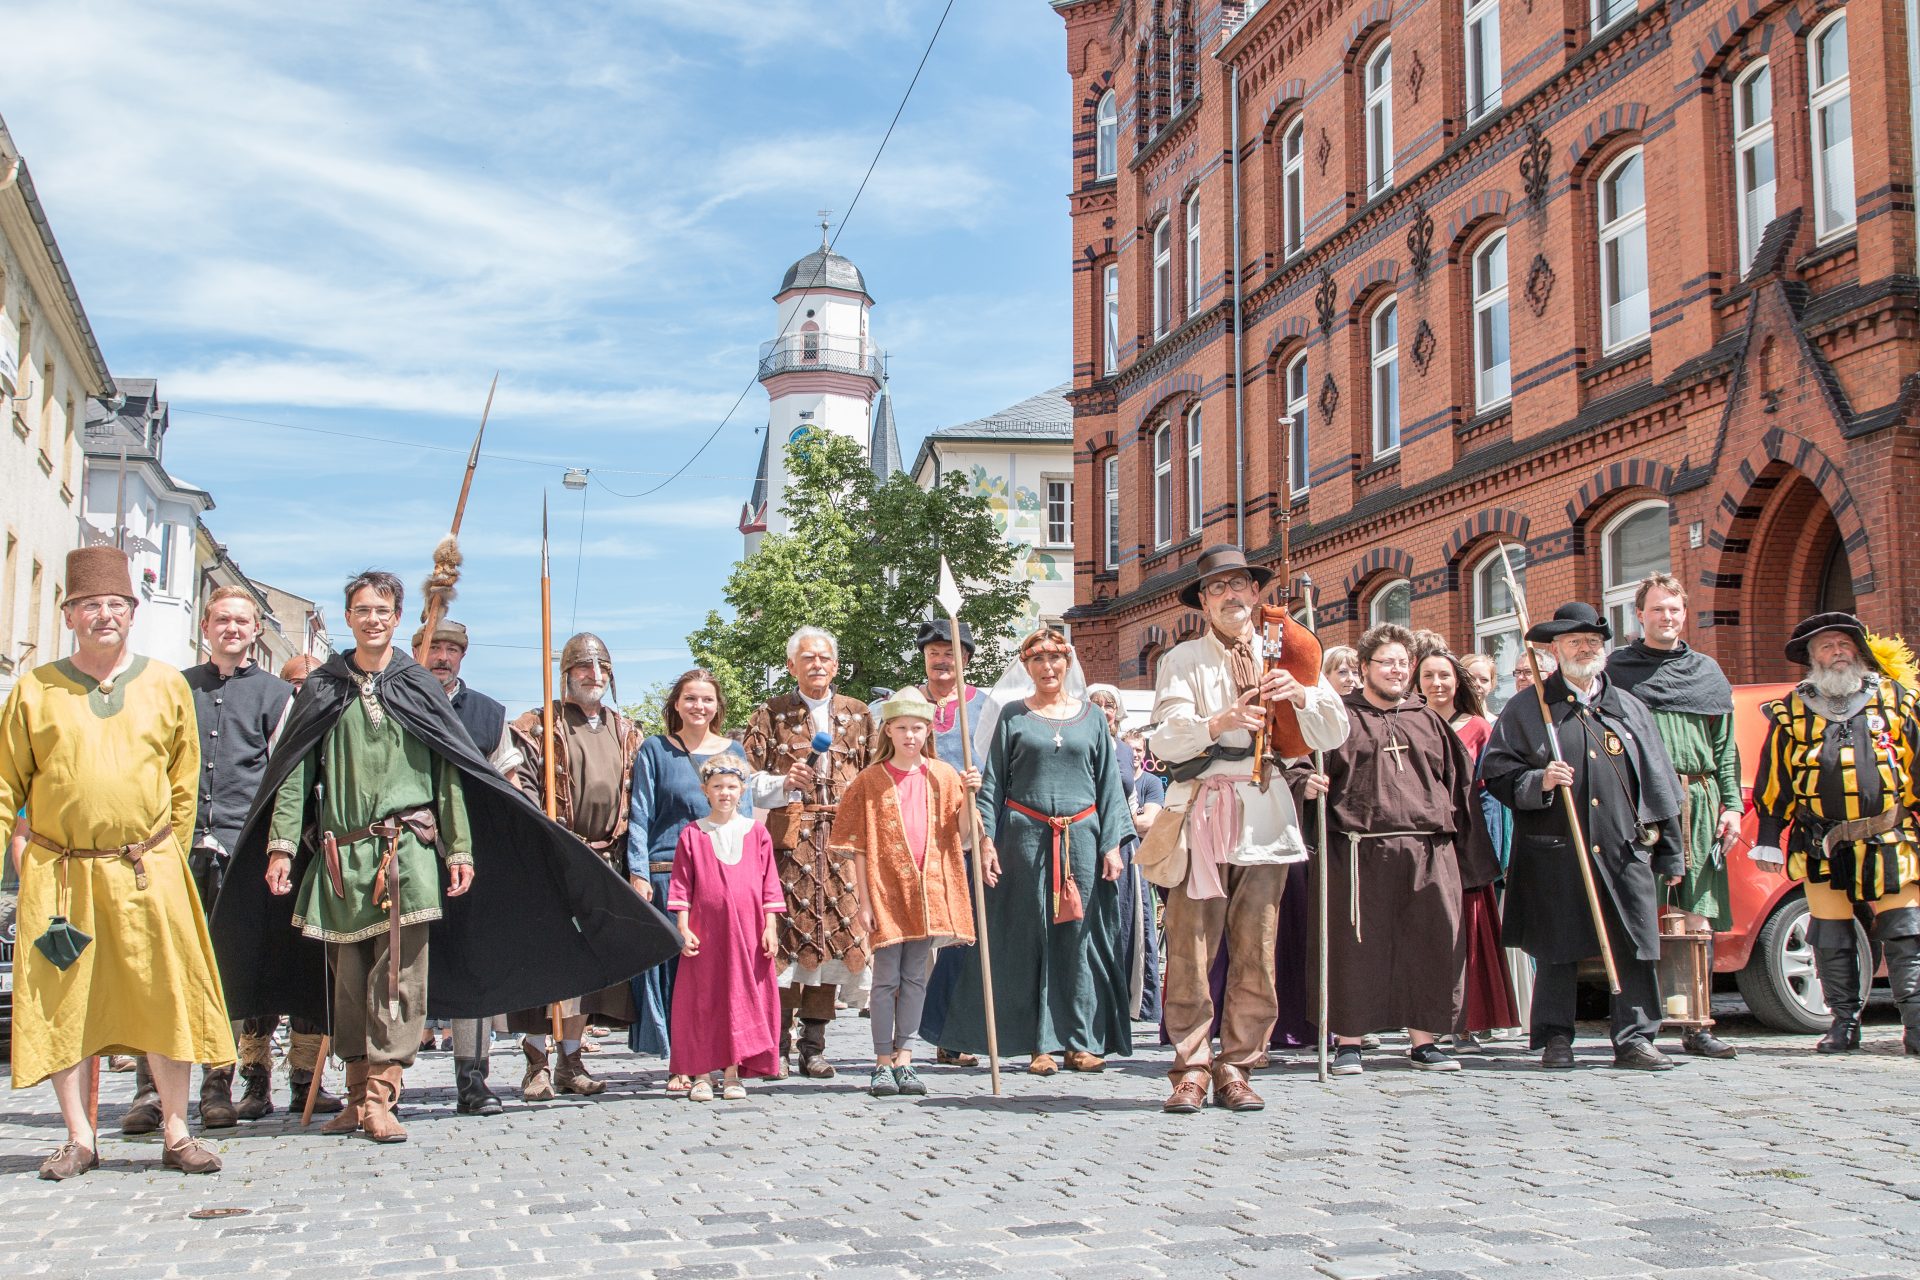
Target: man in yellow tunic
{"x":101,"y":749}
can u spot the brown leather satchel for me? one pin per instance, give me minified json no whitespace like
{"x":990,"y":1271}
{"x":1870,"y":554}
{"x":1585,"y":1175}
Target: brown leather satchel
{"x":1162,"y":852}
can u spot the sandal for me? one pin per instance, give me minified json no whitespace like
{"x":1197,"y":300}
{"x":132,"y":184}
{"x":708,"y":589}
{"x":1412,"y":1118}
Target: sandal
{"x":733,"y":1091}
{"x":677,"y":1086}
{"x":702,"y":1091}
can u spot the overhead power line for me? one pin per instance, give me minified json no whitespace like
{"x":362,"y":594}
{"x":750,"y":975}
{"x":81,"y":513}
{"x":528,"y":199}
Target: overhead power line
{"x":846,"y":218}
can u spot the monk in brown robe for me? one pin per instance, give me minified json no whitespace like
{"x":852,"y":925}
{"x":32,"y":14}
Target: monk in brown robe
{"x":1401,"y":846}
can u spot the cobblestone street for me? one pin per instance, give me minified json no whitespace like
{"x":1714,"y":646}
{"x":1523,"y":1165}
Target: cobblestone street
{"x":1712,"y":1170}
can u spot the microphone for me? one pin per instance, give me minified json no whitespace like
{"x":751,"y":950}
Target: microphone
{"x":822,"y":743}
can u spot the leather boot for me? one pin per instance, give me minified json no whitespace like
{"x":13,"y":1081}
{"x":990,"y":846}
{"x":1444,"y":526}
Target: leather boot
{"x":1839,"y":969}
{"x":349,"y":1119}
{"x":813,"y":1049}
{"x":216,"y":1098}
{"x":570,"y":1076}
{"x":144,"y":1115}
{"x":257,"y":1102}
{"x":383,"y":1090}
{"x":470,"y":1084}
{"x":537,"y":1084}
{"x":1903,"y":975}
{"x":298,"y":1083}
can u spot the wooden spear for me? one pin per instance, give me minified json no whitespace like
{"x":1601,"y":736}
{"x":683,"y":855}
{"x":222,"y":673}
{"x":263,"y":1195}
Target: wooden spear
{"x":546,"y":709}
{"x":949,"y":598}
{"x":1580,"y":851}
{"x":446,"y":556}
{"x":1320,"y":871}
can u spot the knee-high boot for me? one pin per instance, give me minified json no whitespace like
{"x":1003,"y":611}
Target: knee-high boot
{"x":1839,"y":969}
{"x":1899,"y":934}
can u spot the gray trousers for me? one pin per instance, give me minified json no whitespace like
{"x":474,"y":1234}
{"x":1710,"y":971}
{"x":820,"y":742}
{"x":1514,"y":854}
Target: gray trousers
{"x":363,"y":1026}
{"x":1636,"y":1012}
{"x":899,"y":993}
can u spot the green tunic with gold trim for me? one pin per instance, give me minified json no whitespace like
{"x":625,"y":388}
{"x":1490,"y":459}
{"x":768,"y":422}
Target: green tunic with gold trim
{"x":368,"y":768}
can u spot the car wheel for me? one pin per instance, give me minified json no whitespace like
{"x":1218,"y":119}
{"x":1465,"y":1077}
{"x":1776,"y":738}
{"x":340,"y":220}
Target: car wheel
{"x":1780,"y":983}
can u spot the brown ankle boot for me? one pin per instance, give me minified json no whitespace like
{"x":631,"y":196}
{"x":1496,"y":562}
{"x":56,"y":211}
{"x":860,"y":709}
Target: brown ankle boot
{"x":570,"y":1076}
{"x":383,"y":1091}
{"x":537,"y":1084}
{"x":216,"y":1098}
{"x":349,"y":1119}
{"x":257,"y":1103}
{"x":143,"y":1115}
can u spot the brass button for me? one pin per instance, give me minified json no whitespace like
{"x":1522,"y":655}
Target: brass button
{"x":1596,"y":802}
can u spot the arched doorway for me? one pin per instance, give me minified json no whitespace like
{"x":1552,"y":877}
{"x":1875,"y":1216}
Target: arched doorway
{"x":1796,"y":565}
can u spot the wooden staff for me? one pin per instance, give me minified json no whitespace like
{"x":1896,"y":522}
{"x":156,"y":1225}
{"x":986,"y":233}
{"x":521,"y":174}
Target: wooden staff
{"x":446,"y":556}
{"x":546,"y":710}
{"x":950,"y":601}
{"x":1581,"y":853}
{"x":93,"y":1099}
{"x":1320,"y":871}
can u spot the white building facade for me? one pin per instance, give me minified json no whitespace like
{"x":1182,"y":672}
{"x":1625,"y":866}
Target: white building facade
{"x":1021,"y":460}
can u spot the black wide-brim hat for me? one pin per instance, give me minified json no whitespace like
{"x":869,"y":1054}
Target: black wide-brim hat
{"x":940,"y":629}
{"x":1219,"y":559}
{"x":1802,"y":638}
{"x":1573,"y":618}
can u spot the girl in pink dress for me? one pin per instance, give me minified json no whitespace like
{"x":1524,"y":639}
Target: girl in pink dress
{"x":725,"y":892}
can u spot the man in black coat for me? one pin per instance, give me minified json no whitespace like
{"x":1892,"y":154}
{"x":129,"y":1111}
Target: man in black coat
{"x":1609,"y":754}
{"x":529,"y":876}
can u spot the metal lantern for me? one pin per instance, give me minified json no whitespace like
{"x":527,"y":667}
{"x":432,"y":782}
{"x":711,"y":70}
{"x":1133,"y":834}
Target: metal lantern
{"x":1686,"y":972}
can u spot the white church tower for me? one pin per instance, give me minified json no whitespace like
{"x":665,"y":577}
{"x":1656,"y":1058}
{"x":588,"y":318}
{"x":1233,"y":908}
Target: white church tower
{"x":822,"y":373}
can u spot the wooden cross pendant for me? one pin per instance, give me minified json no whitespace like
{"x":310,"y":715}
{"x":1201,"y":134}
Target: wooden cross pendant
{"x":1396,"y":746}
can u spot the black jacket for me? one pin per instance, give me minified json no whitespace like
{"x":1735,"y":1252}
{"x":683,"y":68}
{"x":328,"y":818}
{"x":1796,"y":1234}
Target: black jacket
{"x":237,"y":715}
{"x":545,"y":920}
{"x":1623,"y":783}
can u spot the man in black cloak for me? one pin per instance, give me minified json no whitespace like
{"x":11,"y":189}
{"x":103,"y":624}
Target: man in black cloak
{"x":529,"y":878}
{"x":1628,"y":797}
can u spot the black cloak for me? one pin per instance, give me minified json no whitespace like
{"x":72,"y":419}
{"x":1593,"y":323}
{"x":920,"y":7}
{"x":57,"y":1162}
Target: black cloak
{"x":545,"y":920}
{"x":1681,"y":680}
{"x":1546,"y":912}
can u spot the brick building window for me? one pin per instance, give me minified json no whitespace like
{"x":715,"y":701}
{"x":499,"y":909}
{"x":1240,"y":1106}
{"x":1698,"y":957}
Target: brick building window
{"x":1623,"y":251}
{"x":1608,"y":12}
{"x":1297,"y":475}
{"x":1753,"y":156}
{"x":1483,"y":57}
{"x":1110,"y":514}
{"x":1110,"y":320}
{"x":1492,"y":356}
{"x":1193,"y":253}
{"x":1293,"y":204}
{"x":1496,"y":621}
{"x":1162,"y":276}
{"x":1385,"y":383}
{"x":1106,"y":136}
{"x":1830,"y":93}
{"x":1379,"y":119}
{"x":1194,"y":487}
{"x":1392,"y":603}
{"x":1162,"y":485}
{"x":1633,"y":545}
{"x":1059,"y":510}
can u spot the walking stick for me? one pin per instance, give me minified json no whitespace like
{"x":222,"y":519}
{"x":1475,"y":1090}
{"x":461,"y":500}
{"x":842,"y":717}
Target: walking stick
{"x":1581,"y":853}
{"x":1320,"y":871}
{"x":93,"y":1098}
{"x":313,"y":1085}
{"x":546,"y":709}
{"x":949,"y":598}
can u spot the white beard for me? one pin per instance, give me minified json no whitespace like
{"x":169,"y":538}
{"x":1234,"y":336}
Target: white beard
{"x":1836,"y":682}
{"x":1582,"y":672}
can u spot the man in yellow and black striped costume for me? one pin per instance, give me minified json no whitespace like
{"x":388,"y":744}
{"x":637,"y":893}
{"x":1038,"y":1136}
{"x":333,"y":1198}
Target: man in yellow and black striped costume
{"x":1839,"y":766}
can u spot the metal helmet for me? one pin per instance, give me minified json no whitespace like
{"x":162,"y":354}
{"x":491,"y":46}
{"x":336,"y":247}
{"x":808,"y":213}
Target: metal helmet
{"x":587,"y":647}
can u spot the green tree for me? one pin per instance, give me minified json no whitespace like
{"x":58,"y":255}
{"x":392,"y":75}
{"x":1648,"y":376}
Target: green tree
{"x":862,"y":559}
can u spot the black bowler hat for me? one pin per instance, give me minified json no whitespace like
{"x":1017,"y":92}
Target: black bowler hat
{"x":1574,"y":618}
{"x":942,"y":630}
{"x":1216,"y":560}
{"x":1802,"y":637}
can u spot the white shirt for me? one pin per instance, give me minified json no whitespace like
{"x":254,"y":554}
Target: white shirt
{"x":729,"y":838}
{"x":1194,"y":685}
{"x":770,"y":790}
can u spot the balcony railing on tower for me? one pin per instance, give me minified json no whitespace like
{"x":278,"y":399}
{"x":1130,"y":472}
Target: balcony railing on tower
{"x":817,"y":352}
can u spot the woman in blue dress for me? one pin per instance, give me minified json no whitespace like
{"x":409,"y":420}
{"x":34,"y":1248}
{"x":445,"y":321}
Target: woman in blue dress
{"x":666,"y":798}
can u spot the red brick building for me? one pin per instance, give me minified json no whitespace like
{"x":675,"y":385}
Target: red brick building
{"x":1621,"y":287}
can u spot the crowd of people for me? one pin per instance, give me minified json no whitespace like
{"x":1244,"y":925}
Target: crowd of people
{"x":357,"y":844}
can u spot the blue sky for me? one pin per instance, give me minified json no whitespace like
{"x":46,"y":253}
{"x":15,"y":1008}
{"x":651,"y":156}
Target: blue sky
{"x":347,"y":216}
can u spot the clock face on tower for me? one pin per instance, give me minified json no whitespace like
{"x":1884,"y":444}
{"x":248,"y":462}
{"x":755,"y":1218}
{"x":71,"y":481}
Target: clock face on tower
{"x":800,"y":433}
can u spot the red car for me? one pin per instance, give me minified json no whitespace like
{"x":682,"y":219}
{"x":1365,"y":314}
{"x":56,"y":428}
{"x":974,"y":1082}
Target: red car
{"x":1766,"y":950}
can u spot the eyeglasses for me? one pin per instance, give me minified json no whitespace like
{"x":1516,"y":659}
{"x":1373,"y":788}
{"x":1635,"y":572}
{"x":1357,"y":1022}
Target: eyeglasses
{"x":370,"y":613}
{"x":1391,"y":664}
{"x":1220,"y":586}
{"x":110,"y":606}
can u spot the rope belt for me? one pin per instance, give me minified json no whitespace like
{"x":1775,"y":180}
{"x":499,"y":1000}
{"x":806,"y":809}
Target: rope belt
{"x":1061,"y":871}
{"x":1353,"y":867}
{"x":132,"y":854}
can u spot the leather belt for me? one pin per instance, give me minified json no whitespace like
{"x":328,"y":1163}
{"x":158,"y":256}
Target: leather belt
{"x":1855,"y":829}
{"x":131,"y":853}
{"x":386,"y":880}
{"x":660,"y":868}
